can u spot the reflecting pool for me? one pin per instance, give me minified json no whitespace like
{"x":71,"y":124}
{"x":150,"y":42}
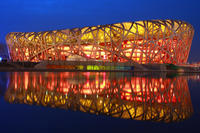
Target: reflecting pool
{"x":159,"y":99}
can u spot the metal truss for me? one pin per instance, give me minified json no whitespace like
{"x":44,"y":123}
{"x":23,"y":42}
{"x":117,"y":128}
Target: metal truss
{"x":155,"y":41}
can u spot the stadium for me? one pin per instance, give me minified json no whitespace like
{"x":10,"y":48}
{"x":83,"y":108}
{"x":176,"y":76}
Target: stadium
{"x":143,"y":42}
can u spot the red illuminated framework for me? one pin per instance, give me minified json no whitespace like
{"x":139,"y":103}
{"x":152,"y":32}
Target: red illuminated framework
{"x":140,"y":98}
{"x":156,"y":41}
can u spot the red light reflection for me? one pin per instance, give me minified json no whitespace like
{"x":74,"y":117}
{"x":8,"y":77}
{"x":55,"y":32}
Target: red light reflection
{"x":141,"y":89}
{"x":115,"y":94}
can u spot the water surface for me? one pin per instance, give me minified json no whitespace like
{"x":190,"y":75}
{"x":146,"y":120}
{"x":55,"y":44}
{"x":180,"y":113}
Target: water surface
{"x":99,"y":102}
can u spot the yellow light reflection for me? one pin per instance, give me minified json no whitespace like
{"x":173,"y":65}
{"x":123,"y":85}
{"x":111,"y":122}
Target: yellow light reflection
{"x":139,"y":98}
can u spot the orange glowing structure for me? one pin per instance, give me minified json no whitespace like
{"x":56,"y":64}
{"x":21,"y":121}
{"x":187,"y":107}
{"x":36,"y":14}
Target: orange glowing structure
{"x":129,"y":97}
{"x":155,"y":41}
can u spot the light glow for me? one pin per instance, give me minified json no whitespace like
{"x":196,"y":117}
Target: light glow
{"x":156,"y":41}
{"x":145,"y":98}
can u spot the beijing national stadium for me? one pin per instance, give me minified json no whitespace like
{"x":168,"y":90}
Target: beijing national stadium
{"x":143,"y":42}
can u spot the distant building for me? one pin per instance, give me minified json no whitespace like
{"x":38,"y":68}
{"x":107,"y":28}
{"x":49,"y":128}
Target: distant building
{"x":4,"y":52}
{"x":156,"y":41}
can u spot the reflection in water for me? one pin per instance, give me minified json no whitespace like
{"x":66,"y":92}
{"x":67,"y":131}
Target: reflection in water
{"x":4,"y":81}
{"x":122,"y":96}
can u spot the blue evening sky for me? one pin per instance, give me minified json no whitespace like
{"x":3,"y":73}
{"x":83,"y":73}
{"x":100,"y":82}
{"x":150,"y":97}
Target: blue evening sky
{"x":42,"y":15}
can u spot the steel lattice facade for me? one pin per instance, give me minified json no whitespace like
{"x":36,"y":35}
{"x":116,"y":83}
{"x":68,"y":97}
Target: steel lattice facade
{"x":155,"y":41}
